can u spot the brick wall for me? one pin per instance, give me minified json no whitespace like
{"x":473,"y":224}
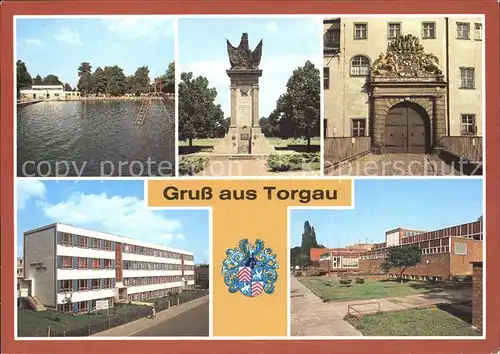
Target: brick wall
{"x":461,"y":264}
{"x":438,"y":266}
{"x":477,"y":295}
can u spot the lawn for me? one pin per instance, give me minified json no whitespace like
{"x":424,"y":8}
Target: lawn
{"x":35,"y":324}
{"x":415,"y":322}
{"x":371,"y":289}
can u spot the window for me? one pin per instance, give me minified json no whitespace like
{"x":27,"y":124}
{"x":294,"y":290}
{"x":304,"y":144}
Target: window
{"x":107,"y":283}
{"x":66,"y":286}
{"x":478,"y":31}
{"x":66,"y":239}
{"x":96,"y":263}
{"x":467,"y":80}
{"x":331,"y":38}
{"x":463,"y":30}
{"x":83,"y":241}
{"x":82,"y":285}
{"x":460,"y":249}
{"x":468,"y":124}
{"x":96,"y":243}
{"x":358,"y":127}
{"x":360,"y":66}
{"x":82,"y":306}
{"x":67,"y":307}
{"x":393,"y":30}
{"x":82,"y":263}
{"x":428,"y":30}
{"x":67,"y":263}
{"x":360,"y":31}
{"x":96,"y":284}
{"x":108,"y":246}
{"x":336,"y":262}
{"x":350,"y":262}
{"x":108,"y":264}
{"x":326,"y":78}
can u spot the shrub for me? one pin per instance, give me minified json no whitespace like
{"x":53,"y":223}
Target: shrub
{"x":328,"y":283}
{"x":294,"y":162}
{"x":360,"y":280}
{"x":191,"y":165}
{"x":345,"y":281}
{"x":298,"y":274}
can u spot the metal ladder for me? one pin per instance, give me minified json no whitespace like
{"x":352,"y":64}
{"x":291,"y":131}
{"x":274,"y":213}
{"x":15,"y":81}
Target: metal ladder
{"x":143,"y":111}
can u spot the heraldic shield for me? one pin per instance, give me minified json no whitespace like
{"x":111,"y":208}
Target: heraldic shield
{"x":250,"y":269}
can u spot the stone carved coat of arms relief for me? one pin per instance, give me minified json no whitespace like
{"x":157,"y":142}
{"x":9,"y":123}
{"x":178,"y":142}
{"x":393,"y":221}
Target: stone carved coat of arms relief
{"x":245,"y":90}
{"x":405,"y":58}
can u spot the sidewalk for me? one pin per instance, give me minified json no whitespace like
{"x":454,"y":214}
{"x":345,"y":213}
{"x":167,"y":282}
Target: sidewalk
{"x":135,"y":326}
{"x":312,"y":317}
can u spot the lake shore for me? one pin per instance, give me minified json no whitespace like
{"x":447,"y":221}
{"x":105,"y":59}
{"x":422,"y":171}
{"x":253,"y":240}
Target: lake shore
{"x":22,"y":103}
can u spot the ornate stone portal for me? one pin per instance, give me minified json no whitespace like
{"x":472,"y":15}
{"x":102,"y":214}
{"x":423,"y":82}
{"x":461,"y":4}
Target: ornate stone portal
{"x":244,"y":135}
{"x":406,"y":74}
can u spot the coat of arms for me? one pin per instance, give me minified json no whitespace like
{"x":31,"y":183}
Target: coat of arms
{"x":250,"y":269}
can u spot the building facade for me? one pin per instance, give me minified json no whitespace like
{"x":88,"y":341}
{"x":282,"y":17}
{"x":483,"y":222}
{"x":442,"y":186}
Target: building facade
{"x":404,"y":82}
{"x":70,"y":268}
{"x":202,"y":276}
{"x":48,"y":92}
{"x":446,"y":253}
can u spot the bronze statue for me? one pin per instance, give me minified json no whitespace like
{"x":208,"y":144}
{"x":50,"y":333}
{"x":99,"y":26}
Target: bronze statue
{"x":242,"y":57}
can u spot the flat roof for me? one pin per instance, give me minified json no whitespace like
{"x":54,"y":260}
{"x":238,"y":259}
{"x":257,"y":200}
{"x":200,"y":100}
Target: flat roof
{"x":106,"y":236}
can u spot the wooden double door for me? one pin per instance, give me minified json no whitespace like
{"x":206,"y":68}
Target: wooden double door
{"x":406,"y":131}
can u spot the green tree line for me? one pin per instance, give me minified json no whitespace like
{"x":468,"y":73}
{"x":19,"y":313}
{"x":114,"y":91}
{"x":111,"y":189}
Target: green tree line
{"x":110,"y":80}
{"x":297,"y":112}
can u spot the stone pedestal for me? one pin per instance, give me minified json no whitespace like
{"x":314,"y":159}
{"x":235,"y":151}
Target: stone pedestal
{"x":244,"y":135}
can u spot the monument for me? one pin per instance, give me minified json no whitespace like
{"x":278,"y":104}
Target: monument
{"x":244,"y":136}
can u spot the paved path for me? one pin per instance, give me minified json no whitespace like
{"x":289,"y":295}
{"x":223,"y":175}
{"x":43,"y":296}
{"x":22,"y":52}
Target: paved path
{"x":312,"y":317}
{"x":177,"y":321}
{"x":250,"y":168}
{"x":397,"y":165}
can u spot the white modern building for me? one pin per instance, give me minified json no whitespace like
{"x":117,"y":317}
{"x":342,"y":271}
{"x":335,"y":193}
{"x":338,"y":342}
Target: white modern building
{"x":70,"y":268}
{"x":48,"y":92}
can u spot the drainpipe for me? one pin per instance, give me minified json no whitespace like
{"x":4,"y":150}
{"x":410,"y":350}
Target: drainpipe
{"x":343,"y":53}
{"x":448,"y":120}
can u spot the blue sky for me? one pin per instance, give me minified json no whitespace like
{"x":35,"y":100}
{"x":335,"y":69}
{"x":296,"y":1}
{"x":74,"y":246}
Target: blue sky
{"x":115,"y":207}
{"x":59,"y":45}
{"x":382,"y":205}
{"x":287,"y":44}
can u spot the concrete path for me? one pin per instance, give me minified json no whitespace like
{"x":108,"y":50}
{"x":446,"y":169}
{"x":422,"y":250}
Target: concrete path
{"x":396,"y":165}
{"x":131,"y":328}
{"x":403,"y":302}
{"x":312,"y":317}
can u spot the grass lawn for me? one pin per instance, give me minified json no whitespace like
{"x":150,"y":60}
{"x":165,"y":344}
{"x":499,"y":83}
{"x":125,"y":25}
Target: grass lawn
{"x":371,"y":289}
{"x":415,"y":322}
{"x":35,"y":324}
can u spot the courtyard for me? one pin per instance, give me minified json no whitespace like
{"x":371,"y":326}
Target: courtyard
{"x":321,"y":306}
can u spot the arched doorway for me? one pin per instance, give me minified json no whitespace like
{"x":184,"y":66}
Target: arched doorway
{"x":407,"y":129}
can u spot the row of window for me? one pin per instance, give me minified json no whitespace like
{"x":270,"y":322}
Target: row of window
{"x":429,"y":250}
{"x":407,"y":233}
{"x":66,"y":262}
{"x":82,"y":306}
{"x":467,"y":127}
{"x":147,"y":251}
{"x":67,"y":239}
{"x":139,"y":281}
{"x":75,"y":285}
{"x":136,"y":265}
{"x":394,"y":30}
{"x":360,"y":66}
{"x":149,"y":295}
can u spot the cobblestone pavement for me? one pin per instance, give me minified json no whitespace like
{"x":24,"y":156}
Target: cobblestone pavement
{"x":250,"y":168}
{"x":397,"y":165}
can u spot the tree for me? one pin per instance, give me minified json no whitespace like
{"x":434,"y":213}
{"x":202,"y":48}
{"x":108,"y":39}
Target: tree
{"x":67,"y":87}
{"x":116,"y":80}
{"x":199,"y":116}
{"x":23,"y":77}
{"x":85,"y":82}
{"x":297,"y":112}
{"x":51,"y":80}
{"x":99,"y":81}
{"x":294,"y":254}
{"x":141,"y":80}
{"x":167,"y":80}
{"x":480,"y":218}
{"x":37,"y":80}
{"x":302,"y":100}
{"x":401,"y":258}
